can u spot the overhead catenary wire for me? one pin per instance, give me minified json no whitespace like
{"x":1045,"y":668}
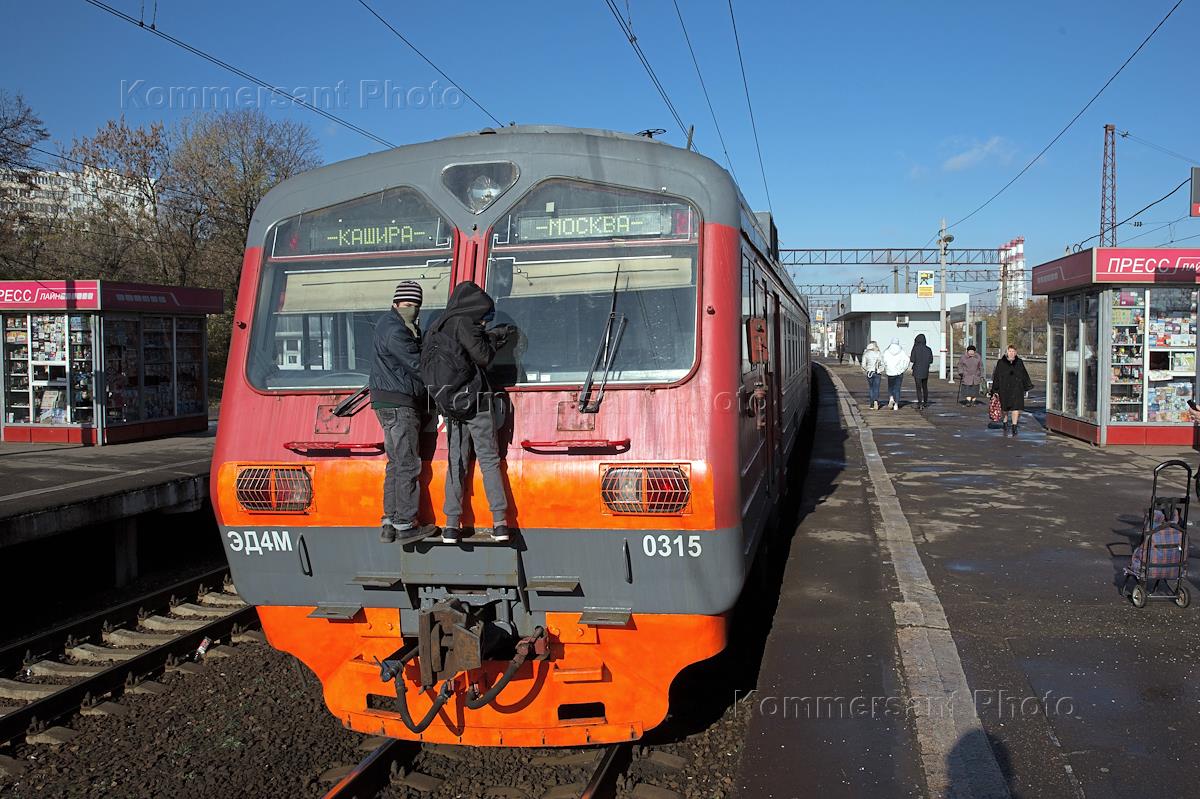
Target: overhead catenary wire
{"x":1074,"y":119}
{"x":241,"y":73}
{"x":703,"y":88}
{"x":426,"y":59}
{"x":1132,"y":216}
{"x":753,"y":125}
{"x":1127,"y":135}
{"x":637,"y":49}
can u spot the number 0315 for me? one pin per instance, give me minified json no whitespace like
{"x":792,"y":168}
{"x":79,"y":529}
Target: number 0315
{"x":665,"y":546}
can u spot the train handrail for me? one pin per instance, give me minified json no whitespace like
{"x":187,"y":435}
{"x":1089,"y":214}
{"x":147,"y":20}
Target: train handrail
{"x":569,"y":444}
{"x":334,"y":446}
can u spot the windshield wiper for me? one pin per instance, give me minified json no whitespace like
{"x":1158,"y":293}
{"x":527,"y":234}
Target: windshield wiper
{"x":606,"y":353}
{"x":354,"y":403}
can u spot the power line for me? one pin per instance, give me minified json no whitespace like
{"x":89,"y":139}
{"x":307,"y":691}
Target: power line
{"x":424,"y":58}
{"x":637,"y":49}
{"x":243,"y":74}
{"x":1163,"y":226}
{"x":1127,"y":135}
{"x":1074,"y":119}
{"x":696,"y":63}
{"x":753,"y":125}
{"x":1132,"y":216}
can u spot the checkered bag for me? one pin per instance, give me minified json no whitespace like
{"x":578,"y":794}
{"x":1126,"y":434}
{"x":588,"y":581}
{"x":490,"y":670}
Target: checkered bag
{"x":1161,"y":551}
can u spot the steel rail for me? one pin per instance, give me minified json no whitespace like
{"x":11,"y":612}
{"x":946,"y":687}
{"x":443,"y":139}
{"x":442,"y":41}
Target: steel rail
{"x":374,"y":772}
{"x":15,"y":655}
{"x":17,"y":722}
{"x":613,"y":763}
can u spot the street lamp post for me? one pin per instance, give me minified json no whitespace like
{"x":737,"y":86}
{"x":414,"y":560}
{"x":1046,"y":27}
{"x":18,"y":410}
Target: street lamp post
{"x":944,"y":239}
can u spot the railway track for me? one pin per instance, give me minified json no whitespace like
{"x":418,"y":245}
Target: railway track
{"x":48,"y":677}
{"x":392,"y":760}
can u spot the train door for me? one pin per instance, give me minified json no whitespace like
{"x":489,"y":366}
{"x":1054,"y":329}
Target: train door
{"x":775,"y":390}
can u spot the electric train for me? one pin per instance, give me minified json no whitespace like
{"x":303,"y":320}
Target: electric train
{"x":651,"y":397}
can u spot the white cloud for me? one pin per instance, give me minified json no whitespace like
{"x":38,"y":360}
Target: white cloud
{"x":996,"y":148}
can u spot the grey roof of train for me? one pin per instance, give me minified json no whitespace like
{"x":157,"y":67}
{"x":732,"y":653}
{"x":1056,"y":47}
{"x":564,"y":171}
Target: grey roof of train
{"x":540,"y":151}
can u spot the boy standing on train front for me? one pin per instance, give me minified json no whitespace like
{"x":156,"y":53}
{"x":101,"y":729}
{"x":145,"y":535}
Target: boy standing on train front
{"x":398,"y":397}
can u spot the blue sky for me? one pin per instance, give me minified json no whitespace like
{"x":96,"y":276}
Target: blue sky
{"x":875,"y":118}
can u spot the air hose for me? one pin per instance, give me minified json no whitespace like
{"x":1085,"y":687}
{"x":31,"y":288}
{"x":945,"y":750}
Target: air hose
{"x":390,"y":669}
{"x":474,"y":701}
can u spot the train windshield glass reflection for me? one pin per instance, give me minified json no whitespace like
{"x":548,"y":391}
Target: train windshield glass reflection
{"x":552,"y":267}
{"x":328,"y":277}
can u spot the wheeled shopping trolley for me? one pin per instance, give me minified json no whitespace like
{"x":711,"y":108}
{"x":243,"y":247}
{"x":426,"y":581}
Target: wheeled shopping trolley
{"x":1158,"y":567}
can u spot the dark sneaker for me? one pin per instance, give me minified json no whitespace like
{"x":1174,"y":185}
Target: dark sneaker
{"x":387,"y":532}
{"x":408,"y":533}
{"x":451,"y":535}
{"x":500,"y":533}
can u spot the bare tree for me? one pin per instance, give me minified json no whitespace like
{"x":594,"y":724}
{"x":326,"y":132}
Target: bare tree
{"x":228,"y":162}
{"x":20,"y":129}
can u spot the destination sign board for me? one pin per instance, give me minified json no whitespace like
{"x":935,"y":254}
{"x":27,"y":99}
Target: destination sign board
{"x":385,"y":237}
{"x":594,"y":225}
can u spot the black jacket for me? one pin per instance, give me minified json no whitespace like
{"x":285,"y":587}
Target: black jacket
{"x":1010,"y":380}
{"x":921,"y":358}
{"x":396,"y":365}
{"x":467,"y":306}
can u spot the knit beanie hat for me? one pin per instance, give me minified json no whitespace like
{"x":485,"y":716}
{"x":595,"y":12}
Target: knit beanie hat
{"x":407,"y":291}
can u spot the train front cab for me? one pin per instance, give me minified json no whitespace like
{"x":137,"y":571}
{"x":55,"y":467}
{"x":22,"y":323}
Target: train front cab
{"x":631,"y":548}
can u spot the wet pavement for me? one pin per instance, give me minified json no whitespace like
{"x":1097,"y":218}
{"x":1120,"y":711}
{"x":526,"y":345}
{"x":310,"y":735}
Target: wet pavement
{"x":819,"y":720}
{"x":1024,"y":539}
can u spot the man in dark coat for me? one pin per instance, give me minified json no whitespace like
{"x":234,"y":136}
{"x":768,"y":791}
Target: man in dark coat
{"x":922,"y":358}
{"x":1010,"y":381}
{"x":397,"y":396}
{"x":464,"y":320}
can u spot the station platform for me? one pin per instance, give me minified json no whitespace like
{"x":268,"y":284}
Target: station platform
{"x":951,"y":623}
{"x":48,"y":489}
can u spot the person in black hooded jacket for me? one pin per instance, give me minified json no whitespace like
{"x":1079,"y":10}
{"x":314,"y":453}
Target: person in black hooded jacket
{"x":921,"y":358}
{"x":463,"y":323}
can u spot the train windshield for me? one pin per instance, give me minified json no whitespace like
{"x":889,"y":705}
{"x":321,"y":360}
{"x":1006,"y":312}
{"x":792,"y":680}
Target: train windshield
{"x":561,"y":256}
{"x":327,"y":277}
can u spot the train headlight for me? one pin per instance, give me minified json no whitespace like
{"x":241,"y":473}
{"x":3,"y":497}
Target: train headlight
{"x":274,"y":489}
{"x":645,"y":489}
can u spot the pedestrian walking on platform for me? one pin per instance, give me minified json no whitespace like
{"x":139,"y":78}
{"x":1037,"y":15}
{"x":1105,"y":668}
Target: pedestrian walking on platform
{"x":841,"y":350}
{"x":970,"y":372}
{"x":398,"y":397}
{"x":895,"y":364}
{"x":922,"y":358}
{"x":1010,"y":381}
{"x":872,"y":366}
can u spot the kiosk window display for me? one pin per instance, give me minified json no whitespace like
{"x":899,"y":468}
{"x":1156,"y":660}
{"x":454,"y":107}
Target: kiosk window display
{"x":1130,"y":385}
{"x":91,"y":362}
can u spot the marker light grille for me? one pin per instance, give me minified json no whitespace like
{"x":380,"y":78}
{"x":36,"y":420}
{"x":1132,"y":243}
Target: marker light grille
{"x":275,"y":489}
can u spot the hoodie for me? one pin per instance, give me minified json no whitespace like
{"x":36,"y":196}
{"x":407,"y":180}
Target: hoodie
{"x":872,"y":360}
{"x":895,"y":362}
{"x":467,"y":306}
{"x":921,"y":357}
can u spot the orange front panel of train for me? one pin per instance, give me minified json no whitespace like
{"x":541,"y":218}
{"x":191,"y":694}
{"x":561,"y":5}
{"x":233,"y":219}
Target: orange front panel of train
{"x":612,"y":684}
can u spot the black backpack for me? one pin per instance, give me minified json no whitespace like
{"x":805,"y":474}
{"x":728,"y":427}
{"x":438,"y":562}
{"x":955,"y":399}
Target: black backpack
{"x":452,"y":380}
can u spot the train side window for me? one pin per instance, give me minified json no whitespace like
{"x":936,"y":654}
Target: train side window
{"x":747,"y":308}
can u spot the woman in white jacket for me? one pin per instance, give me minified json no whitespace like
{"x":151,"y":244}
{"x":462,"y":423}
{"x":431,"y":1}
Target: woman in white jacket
{"x":872,"y":366}
{"x":895,"y":364}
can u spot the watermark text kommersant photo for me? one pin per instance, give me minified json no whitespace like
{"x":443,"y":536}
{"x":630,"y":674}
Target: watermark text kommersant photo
{"x":992,"y":703}
{"x":140,"y":94}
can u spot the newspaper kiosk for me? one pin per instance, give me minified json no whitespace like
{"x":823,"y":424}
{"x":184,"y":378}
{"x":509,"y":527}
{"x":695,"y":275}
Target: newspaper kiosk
{"x":94,"y":362}
{"x":1121,"y":363}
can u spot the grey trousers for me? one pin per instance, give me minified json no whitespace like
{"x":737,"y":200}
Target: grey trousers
{"x":478,"y":433}
{"x":402,"y":477}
